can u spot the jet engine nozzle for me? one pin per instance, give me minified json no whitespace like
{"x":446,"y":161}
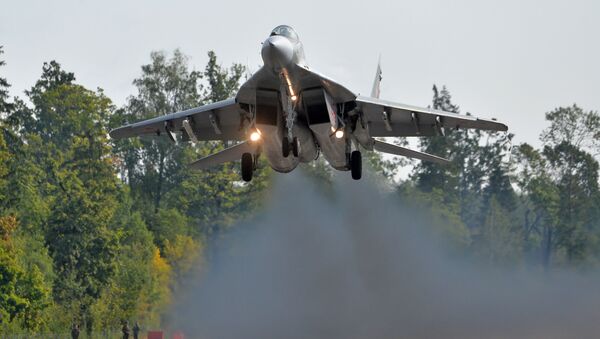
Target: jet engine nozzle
{"x":277,"y":51}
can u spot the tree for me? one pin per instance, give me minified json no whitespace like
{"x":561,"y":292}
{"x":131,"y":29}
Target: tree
{"x":574,"y":125}
{"x":150,"y":165}
{"x":560,"y":187}
{"x":222,"y":83}
{"x":499,"y":242}
{"x":23,"y":290}
{"x":155,"y":169}
{"x":5,"y":106}
{"x":65,"y":132}
{"x":575,"y":174}
{"x":429,"y":176}
{"x":572,"y":134}
{"x":444,"y":219}
{"x":79,"y":236}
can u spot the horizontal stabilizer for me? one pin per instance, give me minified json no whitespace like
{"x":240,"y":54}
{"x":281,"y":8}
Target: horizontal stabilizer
{"x":398,"y":150}
{"x":232,"y":153}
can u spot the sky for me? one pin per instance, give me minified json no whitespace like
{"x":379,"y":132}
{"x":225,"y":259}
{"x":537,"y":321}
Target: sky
{"x":512,"y":60}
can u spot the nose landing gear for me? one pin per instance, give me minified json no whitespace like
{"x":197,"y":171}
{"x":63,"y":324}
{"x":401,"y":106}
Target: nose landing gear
{"x":356,"y":165}
{"x":286,"y":147}
{"x":247,"y":167}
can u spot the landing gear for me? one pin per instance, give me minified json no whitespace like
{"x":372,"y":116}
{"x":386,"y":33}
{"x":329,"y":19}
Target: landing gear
{"x":295,"y":147}
{"x":247,"y":167}
{"x":285,"y":147}
{"x":356,"y":165}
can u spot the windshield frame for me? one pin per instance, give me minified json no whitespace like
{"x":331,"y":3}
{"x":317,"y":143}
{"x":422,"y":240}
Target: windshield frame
{"x":285,"y":31}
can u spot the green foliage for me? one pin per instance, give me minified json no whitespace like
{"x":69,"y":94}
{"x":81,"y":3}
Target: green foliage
{"x":5,"y":106}
{"x":444,"y":218}
{"x":222,"y":83}
{"x":428,"y":175}
{"x":23,"y":291}
{"x":181,"y":209}
{"x":560,"y":188}
{"x":499,"y":241}
{"x":11,"y":304}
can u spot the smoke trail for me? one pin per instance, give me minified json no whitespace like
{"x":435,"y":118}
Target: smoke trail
{"x":359,"y":265}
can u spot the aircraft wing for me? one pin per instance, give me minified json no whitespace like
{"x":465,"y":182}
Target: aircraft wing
{"x":405,"y":152}
{"x":390,"y":119}
{"x":216,"y":121}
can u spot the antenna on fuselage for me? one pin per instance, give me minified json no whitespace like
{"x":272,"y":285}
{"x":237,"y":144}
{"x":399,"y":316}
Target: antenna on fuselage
{"x":376,"y":91}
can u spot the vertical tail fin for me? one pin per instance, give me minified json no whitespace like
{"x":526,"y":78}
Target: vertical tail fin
{"x":377,"y":83}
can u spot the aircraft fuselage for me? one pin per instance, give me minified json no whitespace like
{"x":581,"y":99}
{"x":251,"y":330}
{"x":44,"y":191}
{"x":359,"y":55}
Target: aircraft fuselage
{"x":284,"y":90}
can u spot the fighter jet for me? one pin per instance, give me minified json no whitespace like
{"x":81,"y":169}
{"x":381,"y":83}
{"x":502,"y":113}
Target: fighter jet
{"x":291,"y":113}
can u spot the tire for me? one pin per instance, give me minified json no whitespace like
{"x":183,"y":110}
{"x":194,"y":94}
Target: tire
{"x":295,"y":147}
{"x":285,"y":147}
{"x":356,"y":165}
{"x":247,"y":167}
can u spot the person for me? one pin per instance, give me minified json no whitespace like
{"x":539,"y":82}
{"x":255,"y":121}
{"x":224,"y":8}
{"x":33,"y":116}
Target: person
{"x":136,"y":330}
{"x":75,"y":331}
{"x":125,"y":330}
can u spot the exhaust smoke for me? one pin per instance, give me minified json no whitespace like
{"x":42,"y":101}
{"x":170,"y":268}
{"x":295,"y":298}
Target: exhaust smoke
{"x":358,"y":264}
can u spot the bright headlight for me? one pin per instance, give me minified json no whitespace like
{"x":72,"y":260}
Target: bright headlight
{"x":254,"y":136}
{"x":339,"y":134}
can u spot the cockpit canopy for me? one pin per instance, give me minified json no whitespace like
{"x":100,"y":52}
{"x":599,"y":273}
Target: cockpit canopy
{"x":285,"y":31}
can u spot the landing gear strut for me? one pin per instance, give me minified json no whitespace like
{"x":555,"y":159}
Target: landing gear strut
{"x":247,"y":167}
{"x":295,"y":147}
{"x":356,"y":165}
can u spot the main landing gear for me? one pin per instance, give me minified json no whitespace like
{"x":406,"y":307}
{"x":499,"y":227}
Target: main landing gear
{"x":247,"y":166}
{"x":356,"y":165}
{"x":286,"y":147}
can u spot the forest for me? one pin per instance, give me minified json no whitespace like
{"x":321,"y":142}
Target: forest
{"x":96,"y":232}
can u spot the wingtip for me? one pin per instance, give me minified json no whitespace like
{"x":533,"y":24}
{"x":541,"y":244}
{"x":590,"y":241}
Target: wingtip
{"x":119,"y":133}
{"x":443,"y":161}
{"x":500,"y":127}
{"x":494,"y":125}
{"x":112,"y":134}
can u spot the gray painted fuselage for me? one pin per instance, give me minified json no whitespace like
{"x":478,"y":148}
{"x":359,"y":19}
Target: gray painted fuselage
{"x":285,"y":84}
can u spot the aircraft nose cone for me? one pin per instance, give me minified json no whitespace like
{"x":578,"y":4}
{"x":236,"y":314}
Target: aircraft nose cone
{"x":277,"y":51}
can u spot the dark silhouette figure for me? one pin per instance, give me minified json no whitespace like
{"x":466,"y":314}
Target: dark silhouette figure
{"x":136,"y":330}
{"x":75,"y":331}
{"x":125,"y":330}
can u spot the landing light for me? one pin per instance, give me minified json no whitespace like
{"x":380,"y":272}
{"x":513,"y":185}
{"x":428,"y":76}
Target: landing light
{"x":339,"y":134}
{"x":254,"y":136}
{"x":294,"y":98}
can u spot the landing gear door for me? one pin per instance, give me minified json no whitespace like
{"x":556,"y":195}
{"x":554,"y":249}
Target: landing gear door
{"x":315,"y":106}
{"x":267,"y":107}
{"x":332,"y":110}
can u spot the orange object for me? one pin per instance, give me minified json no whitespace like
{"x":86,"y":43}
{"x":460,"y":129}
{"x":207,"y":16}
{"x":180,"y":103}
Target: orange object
{"x":178,"y":335}
{"x":155,"y":335}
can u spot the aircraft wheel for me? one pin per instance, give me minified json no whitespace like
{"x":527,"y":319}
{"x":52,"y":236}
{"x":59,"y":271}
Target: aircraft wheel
{"x":285,"y":147}
{"x":356,"y":165}
{"x":295,"y":147}
{"x":247,"y":167}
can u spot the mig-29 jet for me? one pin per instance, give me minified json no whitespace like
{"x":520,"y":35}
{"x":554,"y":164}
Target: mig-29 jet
{"x":290,"y":113}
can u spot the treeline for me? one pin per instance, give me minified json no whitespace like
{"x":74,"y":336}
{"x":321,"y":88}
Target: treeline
{"x":94,"y":231}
